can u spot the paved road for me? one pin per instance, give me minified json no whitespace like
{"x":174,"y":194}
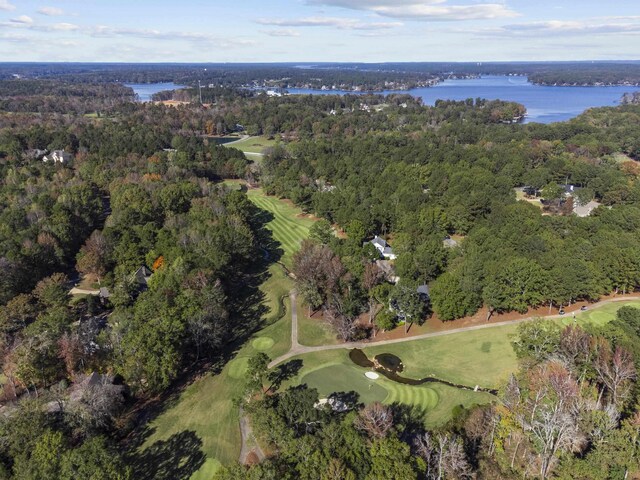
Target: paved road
{"x":301,"y":349}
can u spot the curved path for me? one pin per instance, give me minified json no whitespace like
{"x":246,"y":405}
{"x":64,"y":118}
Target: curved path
{"x":297,"y":349}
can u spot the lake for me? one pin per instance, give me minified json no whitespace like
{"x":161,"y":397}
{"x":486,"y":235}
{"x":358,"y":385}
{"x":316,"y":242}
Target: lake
{"x":146,"y":90}
{"x":545,"y":104}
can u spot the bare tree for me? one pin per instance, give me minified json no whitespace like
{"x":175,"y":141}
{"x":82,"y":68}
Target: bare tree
{"x":375,"y":419}
{"x":344,"y":326}
{"x":94,"y":400}
{"x":551,"y":414}
{"x":93,"y":255}
{"x":575,"y":349}
{"x":372,"y":276}
{"x":444,"y":456}
{"x":318,"y":271}
{"x":615,"y":371}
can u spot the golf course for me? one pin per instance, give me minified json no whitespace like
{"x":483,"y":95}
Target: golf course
{"x":206,"y":406}
{"x":480,"y":357}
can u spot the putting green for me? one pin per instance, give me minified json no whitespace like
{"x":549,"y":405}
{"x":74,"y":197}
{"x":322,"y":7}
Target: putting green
{"x":345,"y":378}
{"x":262,"y":344}
{"x":238,"y":367}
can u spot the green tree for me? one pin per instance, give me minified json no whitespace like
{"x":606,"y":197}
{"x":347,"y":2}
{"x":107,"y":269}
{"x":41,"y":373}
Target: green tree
{"x":450,"y":300}
{"x":322,"y":232}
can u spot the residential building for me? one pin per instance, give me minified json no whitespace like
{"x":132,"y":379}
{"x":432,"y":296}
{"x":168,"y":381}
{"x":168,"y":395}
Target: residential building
{"x":383,"y":247}
{"x":57,"y":156}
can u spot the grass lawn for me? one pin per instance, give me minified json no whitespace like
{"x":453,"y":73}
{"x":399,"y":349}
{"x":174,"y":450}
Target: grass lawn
{"x":313,"y":332}
{"x":333,"y":371}
{"x":600,"y":315}
{"x":289,"y":226}
{"x":206,"y":406}
{"x":478,"y":357}
{"x":534,"y":201}
{"x":252,"y":144}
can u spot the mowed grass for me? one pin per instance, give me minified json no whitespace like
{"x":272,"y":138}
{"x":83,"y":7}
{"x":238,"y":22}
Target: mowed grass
{"x":289,"y":224}
{"x":332,"y":371}
{"x":600,"y":315}
{"x":206,"y":406}
{"x":313,"y":332}
{"x":252,"y":144}
{"x":478,"y":357}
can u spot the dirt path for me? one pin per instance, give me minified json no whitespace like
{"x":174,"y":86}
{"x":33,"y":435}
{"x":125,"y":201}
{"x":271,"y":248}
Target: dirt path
{"x":246,"y":434}
{"x":83,"y":291}
{"x":301,"y":349}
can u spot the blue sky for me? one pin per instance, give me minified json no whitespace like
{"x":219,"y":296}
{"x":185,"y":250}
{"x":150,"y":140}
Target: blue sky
{"x":318,"y":30}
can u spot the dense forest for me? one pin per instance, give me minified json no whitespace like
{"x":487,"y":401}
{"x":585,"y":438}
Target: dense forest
{"x":140,"y":210}
{"x":344,"y":76}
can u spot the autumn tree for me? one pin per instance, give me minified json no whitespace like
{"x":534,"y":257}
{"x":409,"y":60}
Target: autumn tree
{"x":93,"y":256}
{"x":375,"y":419}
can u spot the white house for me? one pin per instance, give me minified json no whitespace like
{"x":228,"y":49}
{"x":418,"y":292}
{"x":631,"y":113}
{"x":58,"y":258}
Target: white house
{"x":383,"y":247}
{"x":57,"y":156}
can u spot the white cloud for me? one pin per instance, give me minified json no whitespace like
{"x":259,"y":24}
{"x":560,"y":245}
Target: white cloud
{"x":281,"y":33}
{"x":341,"y":23}
{"x":590,"y":27}
{"x":65,"y":27}
{"x":425,"y":10}
{"x":5,"y":5}
{"x":23,"y":19}
{"x":51,"y":11}
{"x":105,"y":31}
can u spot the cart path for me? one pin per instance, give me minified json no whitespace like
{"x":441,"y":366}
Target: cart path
{"x":295,"y":345}
{"x":297,"y":349}
{"x":246,"y":433}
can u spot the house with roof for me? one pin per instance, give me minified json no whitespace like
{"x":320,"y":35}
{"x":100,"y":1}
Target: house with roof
{"x":383,"y":247}
{"x":142,"y":276}
{"x":57,"y":156}
{"x":36,"y":153}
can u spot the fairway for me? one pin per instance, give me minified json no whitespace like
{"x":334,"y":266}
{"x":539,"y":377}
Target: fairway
{"x":254,"y":145}
{"x":600,"y":315}
{"x":289,"y":225}
{"x":206,"y":406}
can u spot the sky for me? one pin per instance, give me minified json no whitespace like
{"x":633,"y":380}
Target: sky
{"x":318,"y":30}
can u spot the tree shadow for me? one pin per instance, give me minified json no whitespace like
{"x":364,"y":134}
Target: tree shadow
{"x":410,"y":417}
{"x":284,"y":372}
{"x":350,"y":400}
{"x":176,"y":458}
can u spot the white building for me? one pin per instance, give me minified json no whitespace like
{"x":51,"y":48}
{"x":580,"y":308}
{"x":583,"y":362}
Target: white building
{"x":57,"y":156}
{"x":383,"y":247}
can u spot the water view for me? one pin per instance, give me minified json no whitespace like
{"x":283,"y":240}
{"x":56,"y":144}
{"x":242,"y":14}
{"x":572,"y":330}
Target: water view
{"x":146,"y":90}
{"x":545,"y":104}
